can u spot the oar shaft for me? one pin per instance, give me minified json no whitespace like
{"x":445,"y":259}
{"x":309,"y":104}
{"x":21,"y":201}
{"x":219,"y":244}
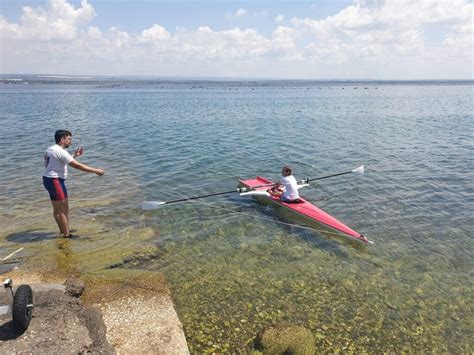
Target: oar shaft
{"x":148,"y":205}
{"x":203,"y":196}
{"x":307,"y":180}
{"x":329,"y":176}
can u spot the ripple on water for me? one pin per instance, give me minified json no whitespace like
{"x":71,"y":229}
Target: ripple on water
{"x":234,"y":270}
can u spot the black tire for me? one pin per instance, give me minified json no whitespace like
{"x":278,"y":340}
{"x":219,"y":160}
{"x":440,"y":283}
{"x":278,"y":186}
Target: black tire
{"x":22,"y":307}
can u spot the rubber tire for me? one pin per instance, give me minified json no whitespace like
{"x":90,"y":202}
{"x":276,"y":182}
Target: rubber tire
{"x":21,"y":312}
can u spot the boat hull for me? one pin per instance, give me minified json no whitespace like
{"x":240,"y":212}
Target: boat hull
{"x":306,"y":211}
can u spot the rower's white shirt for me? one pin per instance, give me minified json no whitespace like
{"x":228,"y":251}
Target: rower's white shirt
{"x":56,"y":160}
{"x":291,"y":187}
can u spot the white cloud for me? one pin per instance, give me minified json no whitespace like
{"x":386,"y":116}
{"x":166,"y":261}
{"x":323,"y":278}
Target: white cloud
{"x":204,"y":43}
{"x":279,"y":18}
{"x":460,"y":40}
{"x":94,"y":33}
{"x":59,"y":22}
{"x":367,"y":35}
{"x":240,"y":12}
{"x":283,"y":41}
{"x":9,"y":30}
{"x":382,"y":28}
{"x":155,"y":34}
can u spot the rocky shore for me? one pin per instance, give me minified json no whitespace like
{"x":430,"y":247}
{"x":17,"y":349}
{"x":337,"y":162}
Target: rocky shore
{"x":112,"y":318}
{"x":116,"y":317}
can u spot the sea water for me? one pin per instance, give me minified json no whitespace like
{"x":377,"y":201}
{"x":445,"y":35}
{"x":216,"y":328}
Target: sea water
{"x":236,"y":266}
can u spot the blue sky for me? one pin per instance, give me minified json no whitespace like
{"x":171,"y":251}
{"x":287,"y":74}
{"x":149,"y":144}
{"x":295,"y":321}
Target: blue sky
{"x":219,"y":14}
{"x":371,"y":39}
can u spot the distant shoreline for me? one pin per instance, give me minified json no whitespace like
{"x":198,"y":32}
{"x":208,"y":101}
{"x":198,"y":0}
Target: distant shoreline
{"x":118,"y":80}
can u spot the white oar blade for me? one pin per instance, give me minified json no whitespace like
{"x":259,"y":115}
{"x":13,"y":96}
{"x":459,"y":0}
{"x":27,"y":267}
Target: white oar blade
{"x":359,"y":170}
{"x":152,"y":205}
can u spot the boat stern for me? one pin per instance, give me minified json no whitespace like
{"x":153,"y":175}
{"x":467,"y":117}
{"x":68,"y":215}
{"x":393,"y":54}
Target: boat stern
{"x":257,"y":183}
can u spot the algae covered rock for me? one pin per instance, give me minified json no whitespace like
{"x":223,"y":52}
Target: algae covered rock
{"x":286,"y":339}
{"x":75,"y":287}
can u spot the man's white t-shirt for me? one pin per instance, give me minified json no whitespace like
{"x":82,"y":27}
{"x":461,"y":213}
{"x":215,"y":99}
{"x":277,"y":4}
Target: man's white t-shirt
{"x":56,"y":160}
{"x":291,"y":187}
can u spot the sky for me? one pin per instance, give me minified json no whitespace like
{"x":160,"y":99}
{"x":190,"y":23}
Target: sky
{"x":319,"y":39}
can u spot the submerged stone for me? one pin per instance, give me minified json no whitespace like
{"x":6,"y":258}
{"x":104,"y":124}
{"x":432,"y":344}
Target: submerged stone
{"x":286,"y":339}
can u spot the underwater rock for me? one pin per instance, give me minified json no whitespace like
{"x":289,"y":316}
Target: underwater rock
{"x":75,"y":287}
{"x":286,"y":339}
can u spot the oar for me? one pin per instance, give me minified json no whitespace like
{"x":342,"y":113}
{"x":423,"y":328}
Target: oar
{"x":304,"y":182}
{"x":153,"y":205}
{"x":359,"y":170}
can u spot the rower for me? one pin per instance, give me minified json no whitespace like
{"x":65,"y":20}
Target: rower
{"x":287,"y":187}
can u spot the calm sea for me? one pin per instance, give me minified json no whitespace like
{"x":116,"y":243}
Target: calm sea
{"x":236,"y":266}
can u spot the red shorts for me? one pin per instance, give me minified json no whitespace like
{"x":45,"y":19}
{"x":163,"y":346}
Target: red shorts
{"x":56,"y":188}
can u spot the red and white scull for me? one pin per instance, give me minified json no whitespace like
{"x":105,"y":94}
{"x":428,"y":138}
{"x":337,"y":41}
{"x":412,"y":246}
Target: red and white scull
{"x":258,"y":188}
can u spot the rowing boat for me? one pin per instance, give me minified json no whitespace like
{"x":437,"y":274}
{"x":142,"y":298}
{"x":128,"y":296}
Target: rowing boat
{"x":258,"y":188}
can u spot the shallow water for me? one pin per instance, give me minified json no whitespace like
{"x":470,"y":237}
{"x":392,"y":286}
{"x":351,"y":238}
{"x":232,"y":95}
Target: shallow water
{"x":235,"y":265}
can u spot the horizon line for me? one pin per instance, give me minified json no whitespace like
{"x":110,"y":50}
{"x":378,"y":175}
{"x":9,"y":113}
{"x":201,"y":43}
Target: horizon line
{"x":210,"y":78}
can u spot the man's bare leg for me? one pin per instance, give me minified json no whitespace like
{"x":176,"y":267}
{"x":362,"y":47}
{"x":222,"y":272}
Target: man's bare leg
{"x":67,"y":215}
{"x":61,"y":212}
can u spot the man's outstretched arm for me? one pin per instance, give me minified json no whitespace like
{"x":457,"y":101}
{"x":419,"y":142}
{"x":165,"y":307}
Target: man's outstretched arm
{"x":88,"y":169}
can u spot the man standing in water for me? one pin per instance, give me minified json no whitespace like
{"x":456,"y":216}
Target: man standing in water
{"x":56,"y":160}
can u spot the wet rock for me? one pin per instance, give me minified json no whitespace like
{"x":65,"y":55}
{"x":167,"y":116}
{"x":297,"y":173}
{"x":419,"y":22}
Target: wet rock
{"x":75,"y":287}
{"x":61,"y":324}
{"x":286,"y":339}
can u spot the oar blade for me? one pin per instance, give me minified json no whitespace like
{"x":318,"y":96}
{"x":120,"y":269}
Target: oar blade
{"x":359,"y":170}
{"x":254,"y":193}
{"x":152,"y":205}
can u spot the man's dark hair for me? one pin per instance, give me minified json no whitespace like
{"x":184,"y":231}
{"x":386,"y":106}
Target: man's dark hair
{"x":60,"y":133}
{"x":287,"y":169}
